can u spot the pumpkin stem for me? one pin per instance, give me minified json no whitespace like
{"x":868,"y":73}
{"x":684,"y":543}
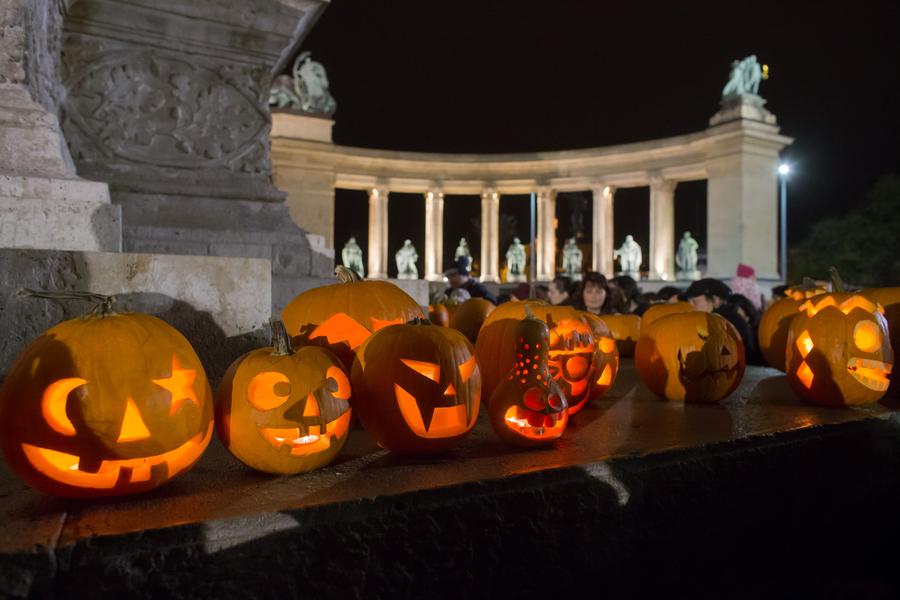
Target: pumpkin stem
{"x":102,"y":303}
{"x":281,"y":341}
{"x":346,"y":275}
{"x":419,"y":321}
{"x":837,"y":284}
{"x":529,"y":314}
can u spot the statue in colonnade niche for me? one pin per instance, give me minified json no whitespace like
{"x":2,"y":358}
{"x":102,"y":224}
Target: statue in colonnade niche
{"x":307,"y":90}
{"x":352,"y":257}
{"x":630,"y":257}
{"x":686,"y":257}
{"x":515,"y":261}
{"x":572,"y":259}
{"x":406,"y":258}
{"x":462,"y":250}
{"x":745,"y":77}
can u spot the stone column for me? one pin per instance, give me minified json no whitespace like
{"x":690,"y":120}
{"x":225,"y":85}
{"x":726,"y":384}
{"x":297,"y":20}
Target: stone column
{"x":602,"y":259}
{"x":546,"y":234}
{"x":434,"y":235}
{"x":662,"y":228}
{"x":490,"y":236}
{"x":378,"y":232}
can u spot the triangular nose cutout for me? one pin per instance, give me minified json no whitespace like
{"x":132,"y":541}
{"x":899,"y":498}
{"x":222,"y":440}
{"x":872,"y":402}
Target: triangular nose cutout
{"x":312,"y":407}
{"x":450,"y":391}
{"x":133,"y":427}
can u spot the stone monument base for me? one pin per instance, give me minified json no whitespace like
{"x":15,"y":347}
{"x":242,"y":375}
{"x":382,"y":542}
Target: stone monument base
{"x":744,"y":106}
{"x":688,"y":275}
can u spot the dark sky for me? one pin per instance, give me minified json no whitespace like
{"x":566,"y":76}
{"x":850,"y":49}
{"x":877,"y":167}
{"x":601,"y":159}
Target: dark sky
{"x":523,"y":75}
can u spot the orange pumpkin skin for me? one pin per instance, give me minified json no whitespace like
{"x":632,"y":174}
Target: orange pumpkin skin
{"x":105,"y":406}
{"x":342,"y":316}
{"x":889,"y":298}
{"x":625,"y":329}
{"x":529,"y":408}
{"x":417,"y":388}
{"x":690,"y":357}
{"x":773,"y":330}
{"x":469,"y":317}
{"x":438,"y":314}
{"x":607,"y":356}
{"x":838,"y":351}
{"x":655,"y":311}
{"x":284,"y":412}
{"x":496,"y":343}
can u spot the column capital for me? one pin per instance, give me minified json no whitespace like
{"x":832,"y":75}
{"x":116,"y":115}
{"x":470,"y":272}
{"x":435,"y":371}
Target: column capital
{"x":659,"y":183}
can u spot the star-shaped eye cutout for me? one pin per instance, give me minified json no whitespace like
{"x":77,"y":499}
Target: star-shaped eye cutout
{"x":180,"y":384}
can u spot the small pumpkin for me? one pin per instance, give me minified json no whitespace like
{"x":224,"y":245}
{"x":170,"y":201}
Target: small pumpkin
{"x":625,"y":329}
{"x":342,"y":316}
{"x":690,"y":357}
{"x":284,"y":411}
{"x":438,"y":314}
{"x":468,"y":318}
{"x":529,"y":408}
{"x":105,"y":405}
{"x":607,"y":356}
{"x":417,"y":387}
{"x":655,"y":311}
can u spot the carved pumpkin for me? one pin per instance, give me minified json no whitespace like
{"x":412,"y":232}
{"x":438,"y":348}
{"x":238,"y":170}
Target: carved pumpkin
{"x":573,"y":357}
{"x":655,"y":311}
{"x":889,"y":298}
{"x":805,"y":290}
{"x":529,"y":408}
{"x":838,"y":353}
{"x":468,"y":318}
{"x":438,"y":314}
{"x":690,"y":357}
{"x":625,"y":329}
{"x":607,"y":357}
{"x":105,"y":405}
{"x":282,"y":411}
{"x":342,"y":316}
{"x":417,"y":388}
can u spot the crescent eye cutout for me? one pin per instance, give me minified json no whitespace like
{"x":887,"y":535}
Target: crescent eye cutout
{"x":337,"y":382}
{"x":268,"y":390}
{"x":425,"y":369}
{"x":867,"y":336}
{"x":467,"y":369}
{"x":53,"y":404}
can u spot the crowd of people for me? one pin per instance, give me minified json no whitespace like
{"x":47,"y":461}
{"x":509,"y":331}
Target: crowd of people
{"x":739,"y":301}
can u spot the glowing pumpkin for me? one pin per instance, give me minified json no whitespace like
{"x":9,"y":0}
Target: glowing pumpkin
{"x":690,"y":357}
{"x":342,"y":316}
{"x":470,"y":315}
{"x":105,"y":405}
{"x":282,"y":411}
{"x":607,"y":356}
{"x":655,"y":311}
{"x":838,"y":353}
{"x":529,"y":408}
{"x":572,"y":359}
{"x":625,"y":329}
{"x":889,"y":298}
{"x":417,"y":388}
{"x":805,"y":290}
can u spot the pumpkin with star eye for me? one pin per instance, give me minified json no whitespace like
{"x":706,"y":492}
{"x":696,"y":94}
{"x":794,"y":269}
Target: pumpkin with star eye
{"x":105,"y":405}
{"x":529,"y":408}
{"x":283,"y":411}
{"x":625,"y":329}
{"x":837,"y":352}
{"x":573,"y":359}
{"x":342,"y":316}
{"x":690,"y":357}
{"x":607,"y":356}
{"x":417,"y":388}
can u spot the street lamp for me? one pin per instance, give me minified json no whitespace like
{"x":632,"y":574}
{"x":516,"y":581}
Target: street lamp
{"x":784,"y":170}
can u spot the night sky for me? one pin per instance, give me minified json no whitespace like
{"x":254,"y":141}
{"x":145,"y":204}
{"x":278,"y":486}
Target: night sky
{"x":523,"y":75}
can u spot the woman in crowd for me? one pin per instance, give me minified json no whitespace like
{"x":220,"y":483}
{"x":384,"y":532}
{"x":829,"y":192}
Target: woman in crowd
{"x":595,"y":296}
{"x":632,"y":293}
{"x":561,"y":292}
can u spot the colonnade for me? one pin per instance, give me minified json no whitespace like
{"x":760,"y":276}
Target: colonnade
{"x":660,"y":264}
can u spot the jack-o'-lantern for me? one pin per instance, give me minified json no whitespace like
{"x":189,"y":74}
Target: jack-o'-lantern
{"x":656,"y":311}
{"x":625,"y":329}
{"x":469,"y":317}
{"x":690,"y":357}
{"x":607,"y":356}
{"x":573,"y":359}
{"x":438,"y":314}
{"x":529,"y":408}
{"x":417,"y":387}
{"x":105,"y":405}
{"x":284,"y":411}
{"x":496,"y":343}
{"x":342,"y":316}
{"x":837,"y":352}
{"x":805,"y":290}
{"x":889,"y":299}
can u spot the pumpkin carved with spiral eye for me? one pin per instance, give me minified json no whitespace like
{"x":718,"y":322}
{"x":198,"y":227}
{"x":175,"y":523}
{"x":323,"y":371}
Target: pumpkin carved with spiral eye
{"x":529,"y":408}
{"x":607,"y":357}
{"x":105,"y":405}
{"x":690,"y":357}
{"x":417,"y":388}
{"x":283,"y":411}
